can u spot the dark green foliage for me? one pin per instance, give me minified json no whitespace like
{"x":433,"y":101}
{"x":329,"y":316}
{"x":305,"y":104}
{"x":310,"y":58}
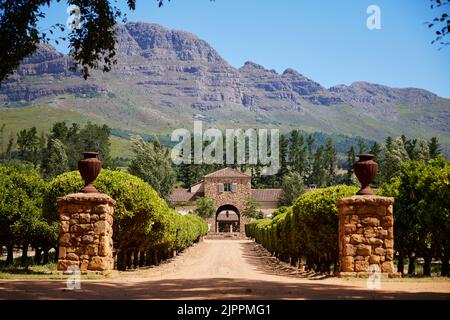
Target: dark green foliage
{"x":318,"y":176}
{"x":61,"y":150}
{"x":399,"y":150}
{"x":421,"y":211}
{"x":291,"y":188}
{"x":375,"y":150}
{"x":308,"y":229}
{"x":330,"y":163}
{"x":152,"y":164}
{"x":28,"y":145}
{"x":434,"y":148}
{"x":92,"y":45}
{"x":69,"y":142}
{"x":297,"y":153}
{"x":351,"y":159}
{"x":204,"y":207}
{"x":21,"y":220}
{"x":19,"y":35}
{"x":315,"y":156}
{"x":284,"y":153}
{"x":142,"y":220}
{"x":55,"y":160}
{"x":252,"y":209}
{"x":361,"y":146}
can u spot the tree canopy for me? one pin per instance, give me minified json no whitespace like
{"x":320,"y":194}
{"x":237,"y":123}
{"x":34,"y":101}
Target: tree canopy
{"x":152,"y":163}
{"x":92,"y":45}
{"x":421,"y":211}
{"x":291,"y":188}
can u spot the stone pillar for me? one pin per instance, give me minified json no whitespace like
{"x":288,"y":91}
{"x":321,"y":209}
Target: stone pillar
{"x":366,"y":235}
{"x":85,"y":239}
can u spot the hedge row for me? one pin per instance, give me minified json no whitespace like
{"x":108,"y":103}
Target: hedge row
{"x":307,"y":231}
{"x":144,"y":226}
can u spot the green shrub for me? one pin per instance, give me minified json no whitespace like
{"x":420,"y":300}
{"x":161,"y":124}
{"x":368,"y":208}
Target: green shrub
{"x":308,"y":229}
{"x":142,"y":220}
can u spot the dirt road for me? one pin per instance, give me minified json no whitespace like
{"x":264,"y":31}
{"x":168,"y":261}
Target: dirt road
{"x":222,"y":269}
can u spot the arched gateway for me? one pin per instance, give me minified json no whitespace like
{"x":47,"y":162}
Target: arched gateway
{"x":229,"y":189}
{"x":227,"y":219}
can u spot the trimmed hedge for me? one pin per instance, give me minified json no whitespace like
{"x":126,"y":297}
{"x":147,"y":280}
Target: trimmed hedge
{"x":143,"y":222}
{"x":308,"y":229}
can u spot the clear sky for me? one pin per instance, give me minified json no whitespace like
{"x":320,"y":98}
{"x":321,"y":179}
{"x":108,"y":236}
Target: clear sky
{"x":326,"y":40}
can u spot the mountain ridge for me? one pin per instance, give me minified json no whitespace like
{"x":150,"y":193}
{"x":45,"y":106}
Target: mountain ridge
{"x":165,"y":78}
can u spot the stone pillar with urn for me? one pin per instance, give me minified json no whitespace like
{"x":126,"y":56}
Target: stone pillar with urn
{"x":86,"y":221}
{"x":366,"y":227}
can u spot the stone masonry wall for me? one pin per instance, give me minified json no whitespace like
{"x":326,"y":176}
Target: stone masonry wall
{"x":237,"y":198}
{"x":85,"y":240}
{"x":366,"y":235}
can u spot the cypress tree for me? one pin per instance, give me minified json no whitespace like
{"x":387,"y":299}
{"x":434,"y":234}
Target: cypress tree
{"x":330,"y":163}
{"x":351,"y":159}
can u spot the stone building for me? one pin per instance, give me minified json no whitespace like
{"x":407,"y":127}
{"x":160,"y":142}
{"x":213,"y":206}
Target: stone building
{"x":229,"y":189}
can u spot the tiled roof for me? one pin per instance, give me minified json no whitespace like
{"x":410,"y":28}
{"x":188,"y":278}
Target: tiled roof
{"x":266,"y":194}
{"x":198,"y":187}
{"x":227,"y":173}
{"x":183,"y":195}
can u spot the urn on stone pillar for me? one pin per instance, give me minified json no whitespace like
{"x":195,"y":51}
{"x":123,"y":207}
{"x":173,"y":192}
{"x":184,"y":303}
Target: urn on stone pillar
{"x":365,"y":169}
{"x":89,"y":168}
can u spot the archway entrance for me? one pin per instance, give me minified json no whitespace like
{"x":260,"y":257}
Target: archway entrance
{"x":227,"y":219}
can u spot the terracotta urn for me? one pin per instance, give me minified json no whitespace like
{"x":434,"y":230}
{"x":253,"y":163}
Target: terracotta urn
{"x":89,"y":168}
{"x":365,"y":169}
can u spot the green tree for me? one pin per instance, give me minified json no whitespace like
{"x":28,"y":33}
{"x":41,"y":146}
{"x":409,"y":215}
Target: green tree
{"x":297,"y":152}
{"x":284,"y":150}
{"x":205,"y":207}
{"x":375,"y":150}
{"x":70,"y":139}
{"x":307,"y":230}
{"x":143,"y":222}
{"x":394,"y":154}
{"x":252,"y":209}
{"x":2,"y":141}
{"x":318,"y":176}
{"x":434,"y":148}
{"x":409,"y":145}
{"x":93,"y":137}
{"x":361,"y":146}
{"x":421,"y":213}
{"x":55,"y":160}
{"x":10,"y":146}
{"x":421,"y":150}
{"x":21,"y":190}
{"x":351,"y":159}
{"x":310,"y":159}
{"x":152,"y":164}
{"x":92,"y":46}
{"x":291,"y":188}
{"x":330,"y":163}
{"x":28,"y":145}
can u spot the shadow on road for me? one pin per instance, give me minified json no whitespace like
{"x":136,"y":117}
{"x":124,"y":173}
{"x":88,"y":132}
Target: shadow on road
{"x":214,"y":288}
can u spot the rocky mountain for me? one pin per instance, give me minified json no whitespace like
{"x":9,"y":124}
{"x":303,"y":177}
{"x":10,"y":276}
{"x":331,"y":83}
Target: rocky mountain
{"x":166,"y":78}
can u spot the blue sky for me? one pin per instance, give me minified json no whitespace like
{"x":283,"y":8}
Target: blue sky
{"x":326,"y":40}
